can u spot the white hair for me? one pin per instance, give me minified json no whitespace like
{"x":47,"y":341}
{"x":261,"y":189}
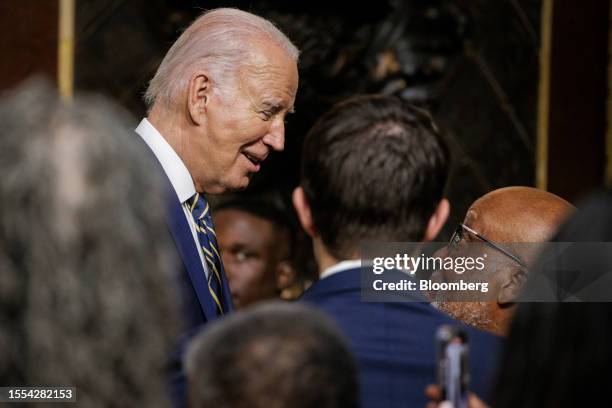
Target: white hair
{"x":217,"y":42}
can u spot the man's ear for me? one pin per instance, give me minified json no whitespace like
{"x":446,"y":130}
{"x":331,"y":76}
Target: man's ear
{"x":285,"y":275}
{"x":303,"y":211}
{"x":437,"y":220}
{"x":198,"y":96}
{"x":514,"y":277}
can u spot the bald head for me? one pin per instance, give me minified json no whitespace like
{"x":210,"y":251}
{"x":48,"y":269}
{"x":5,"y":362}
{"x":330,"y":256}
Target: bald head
{"x":518,"y":214}
{"x":507,"y":216}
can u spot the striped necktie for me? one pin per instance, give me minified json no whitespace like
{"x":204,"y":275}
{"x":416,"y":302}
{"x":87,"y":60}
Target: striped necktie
{"x":200,"y":210}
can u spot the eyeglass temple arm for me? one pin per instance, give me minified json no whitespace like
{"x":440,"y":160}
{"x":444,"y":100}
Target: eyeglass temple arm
{"x":498,"y":247}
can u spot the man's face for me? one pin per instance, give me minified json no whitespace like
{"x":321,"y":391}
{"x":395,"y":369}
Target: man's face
{"x":477,"y":312}
{"x":251,"y":249}
{"x":245,"y":125}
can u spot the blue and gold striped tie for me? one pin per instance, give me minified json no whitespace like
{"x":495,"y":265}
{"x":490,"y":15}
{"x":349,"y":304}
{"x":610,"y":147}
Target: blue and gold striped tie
{"x":199,"y":209}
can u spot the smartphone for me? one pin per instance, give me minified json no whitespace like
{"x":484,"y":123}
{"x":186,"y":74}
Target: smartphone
{"x":452,"y":364}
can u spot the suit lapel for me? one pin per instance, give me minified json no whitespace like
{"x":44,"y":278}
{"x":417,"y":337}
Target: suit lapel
{"x":228,"y":305}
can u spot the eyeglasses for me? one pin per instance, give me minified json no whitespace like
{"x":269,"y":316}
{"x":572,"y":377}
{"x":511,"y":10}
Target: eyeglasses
{"x":458,"y":236}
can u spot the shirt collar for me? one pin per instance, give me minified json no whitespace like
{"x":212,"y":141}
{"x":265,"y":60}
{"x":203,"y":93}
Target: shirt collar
{"x":173,"y":166}
{"x":340,"y":267}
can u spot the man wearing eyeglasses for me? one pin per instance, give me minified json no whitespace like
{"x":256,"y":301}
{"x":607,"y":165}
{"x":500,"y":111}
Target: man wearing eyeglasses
{"x":499,"y":227}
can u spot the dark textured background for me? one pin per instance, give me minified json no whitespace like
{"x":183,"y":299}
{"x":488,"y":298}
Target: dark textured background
{"x":474,"y":63}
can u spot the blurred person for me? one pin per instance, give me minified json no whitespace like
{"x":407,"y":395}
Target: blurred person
{"x":274,"y":355}
{"x":86,"y":296}
{"x":216,"y":110}
{"x":498,"y":221}
{"x":257,"y":241}
{"x":558,"y":354}
{"x":374,"y":169}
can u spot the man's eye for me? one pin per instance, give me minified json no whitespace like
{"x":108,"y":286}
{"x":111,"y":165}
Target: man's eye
{"x":241,"y":256}
{"x":455,"y":241}
{"x":265,"y":115}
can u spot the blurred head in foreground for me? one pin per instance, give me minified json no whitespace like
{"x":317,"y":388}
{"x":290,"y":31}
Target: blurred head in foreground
{"x":85,"y":296}
{"x":273,"y":355}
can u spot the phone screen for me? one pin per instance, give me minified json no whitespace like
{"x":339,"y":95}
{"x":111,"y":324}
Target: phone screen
{"x":452,"y":365}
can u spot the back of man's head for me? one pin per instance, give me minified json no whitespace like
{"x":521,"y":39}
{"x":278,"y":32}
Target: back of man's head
{"x":85,"y":298}
{"x":274,"y":355}
{"x":373,"y":168}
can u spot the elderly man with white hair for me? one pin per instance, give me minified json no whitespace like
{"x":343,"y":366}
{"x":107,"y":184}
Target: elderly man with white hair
{"x":217,"y":106}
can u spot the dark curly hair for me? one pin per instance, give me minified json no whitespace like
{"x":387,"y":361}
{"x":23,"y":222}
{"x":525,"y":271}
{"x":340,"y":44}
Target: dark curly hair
{"x":373,"y":169}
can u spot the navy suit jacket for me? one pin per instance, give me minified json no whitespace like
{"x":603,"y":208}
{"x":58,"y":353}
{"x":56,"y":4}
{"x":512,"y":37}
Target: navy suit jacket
{"x":197,"y":305}
{"x":394,"y":342}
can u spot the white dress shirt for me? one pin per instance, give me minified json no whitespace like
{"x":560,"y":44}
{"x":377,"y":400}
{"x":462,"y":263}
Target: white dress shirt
{"x":176,"y":172}
{"x":340,"y":267}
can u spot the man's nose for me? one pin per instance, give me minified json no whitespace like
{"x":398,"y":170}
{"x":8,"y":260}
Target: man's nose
{"x":276,"y":136}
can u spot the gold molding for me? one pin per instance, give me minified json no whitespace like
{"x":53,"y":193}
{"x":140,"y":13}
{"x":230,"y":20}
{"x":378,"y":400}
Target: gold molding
{"x":65,"y":49}
{"x":541,"y":175}
{"x":608,"y":164}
